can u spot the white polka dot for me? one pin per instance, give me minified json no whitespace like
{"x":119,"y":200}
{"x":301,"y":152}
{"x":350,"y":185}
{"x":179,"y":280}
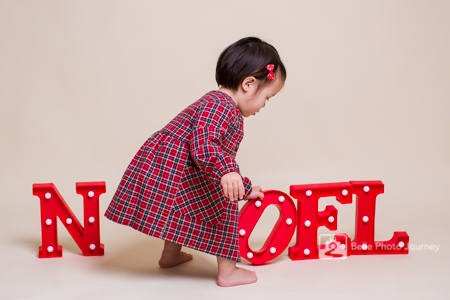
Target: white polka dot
{"x":48,"y":222}
{"x":249,"y":255}
{"x":344,"y":192}
{"x":242,"y":232}
{"x":307,"y":223}
{"x":69,"y":221}
{"x":289,"y":221}
{"x":364,"y":247}
{"x":306,"y":252}
{"x":308,"y":193}
{"x":366,"y":189}
{"x":273,"y":250}
{"x":91,"y":220}
{"x":281,"y":199}
{"x":342,"y":246}
{"x":91,"y":194}
{"x":331,"y":219}
{"x":365,"y":219}
{"x":401,"y":244}
{"x":48,"y":195}
{"x":50,"y":249}
{"x":257,"y":203}
{"x":92,"y":246}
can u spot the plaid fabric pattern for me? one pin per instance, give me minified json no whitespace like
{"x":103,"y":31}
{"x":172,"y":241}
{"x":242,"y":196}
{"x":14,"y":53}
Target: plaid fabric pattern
{"x":171,"y":189}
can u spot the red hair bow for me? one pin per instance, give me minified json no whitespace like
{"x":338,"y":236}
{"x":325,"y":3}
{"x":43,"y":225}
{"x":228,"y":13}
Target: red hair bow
{"x":271,"y":74}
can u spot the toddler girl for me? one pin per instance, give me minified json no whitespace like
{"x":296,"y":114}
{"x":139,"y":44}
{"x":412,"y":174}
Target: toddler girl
{"x":183,"y":184}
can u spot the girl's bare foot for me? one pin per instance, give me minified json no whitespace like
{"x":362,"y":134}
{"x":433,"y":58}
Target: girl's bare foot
{"x":230,"y":275}
{"x":238,"y":277}
{"x":172,"y":261}
{"x":173,"y":256}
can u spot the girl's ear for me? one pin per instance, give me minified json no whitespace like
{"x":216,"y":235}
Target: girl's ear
{"x":248,"y":83}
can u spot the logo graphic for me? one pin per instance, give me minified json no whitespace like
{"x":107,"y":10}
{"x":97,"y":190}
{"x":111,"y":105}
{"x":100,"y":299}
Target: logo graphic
{"x":331,"y":247}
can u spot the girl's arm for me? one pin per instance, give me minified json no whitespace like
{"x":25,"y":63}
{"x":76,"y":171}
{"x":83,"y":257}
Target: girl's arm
{"x":211,"y":125}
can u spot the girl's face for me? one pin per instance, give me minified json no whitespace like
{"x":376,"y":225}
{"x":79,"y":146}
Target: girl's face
{"x":252,"y":100}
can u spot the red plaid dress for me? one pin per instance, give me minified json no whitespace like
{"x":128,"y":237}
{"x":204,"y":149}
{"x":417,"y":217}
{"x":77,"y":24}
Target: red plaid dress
{"x":171,"y":189}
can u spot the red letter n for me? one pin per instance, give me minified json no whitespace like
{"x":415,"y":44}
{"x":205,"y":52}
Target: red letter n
{"x":53,"y":204}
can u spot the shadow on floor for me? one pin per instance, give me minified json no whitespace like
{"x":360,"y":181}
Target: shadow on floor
{"x":141,"y":257}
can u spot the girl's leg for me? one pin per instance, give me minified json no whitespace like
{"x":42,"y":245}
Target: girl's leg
{"x":230,"y":275}
{"x":172,"y":255}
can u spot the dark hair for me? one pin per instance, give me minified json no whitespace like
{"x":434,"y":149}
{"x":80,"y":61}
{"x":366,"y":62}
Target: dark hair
{"x":247,"y":57}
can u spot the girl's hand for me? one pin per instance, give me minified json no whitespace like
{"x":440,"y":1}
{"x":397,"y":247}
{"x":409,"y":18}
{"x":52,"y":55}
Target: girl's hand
{"x":232,"y":186}
{"x":255,"y":193}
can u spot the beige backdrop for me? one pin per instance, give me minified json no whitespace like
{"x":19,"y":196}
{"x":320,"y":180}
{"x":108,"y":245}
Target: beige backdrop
{"x":84,"y":83}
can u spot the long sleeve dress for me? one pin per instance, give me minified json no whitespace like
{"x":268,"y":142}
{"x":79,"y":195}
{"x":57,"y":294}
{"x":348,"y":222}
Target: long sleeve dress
{"x":171,"y":189}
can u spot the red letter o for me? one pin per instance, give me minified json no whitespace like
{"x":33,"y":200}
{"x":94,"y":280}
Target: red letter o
{"x":281,"y":234}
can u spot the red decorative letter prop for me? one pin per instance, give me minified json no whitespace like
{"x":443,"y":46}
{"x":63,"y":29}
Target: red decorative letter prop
{"x":281,"y":234}
{"x":53,"y":204}
{"x":309,"y":219}
{"x":366,"y":193}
